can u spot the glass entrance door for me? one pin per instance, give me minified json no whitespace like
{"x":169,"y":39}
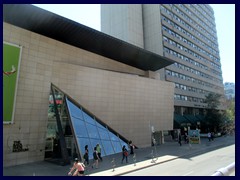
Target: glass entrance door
{"x":53,"y":146}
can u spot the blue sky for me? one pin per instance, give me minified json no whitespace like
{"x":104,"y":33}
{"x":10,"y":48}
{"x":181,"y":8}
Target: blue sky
{"x":89,"y":15}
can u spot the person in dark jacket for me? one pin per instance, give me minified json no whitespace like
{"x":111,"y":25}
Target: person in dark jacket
{"x":131,"y":147}
{"x":180,"y":139}
{"x":96,"y":158}
{"x":86,"y":156}
{"x":212,"y":136}
{"x":124,"y":154}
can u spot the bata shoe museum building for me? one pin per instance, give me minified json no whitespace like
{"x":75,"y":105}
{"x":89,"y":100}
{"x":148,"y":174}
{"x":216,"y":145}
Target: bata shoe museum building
{"x":66,"y":86}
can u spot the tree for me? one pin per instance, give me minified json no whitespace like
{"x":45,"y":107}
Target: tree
{"x":213,"y":100}
{"x":229,"y":118}
{"x":213,"y":118}
{"x":230,"y":112}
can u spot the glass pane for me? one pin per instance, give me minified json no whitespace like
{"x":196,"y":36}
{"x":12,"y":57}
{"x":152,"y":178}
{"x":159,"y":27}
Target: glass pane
{"x":108,"y":147}
{"x":92,"y":131}
{"x":103,"y":134}
{"x":113,"y":137}
{"x":123,"y":143}
{"x":117,"y":146}
{"x":88,"y":118}
{"x":79,"y":127}
{"x":74,"y":110}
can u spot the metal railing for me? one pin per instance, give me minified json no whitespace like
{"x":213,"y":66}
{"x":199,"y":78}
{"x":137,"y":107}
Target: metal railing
{"x":225,"y":171}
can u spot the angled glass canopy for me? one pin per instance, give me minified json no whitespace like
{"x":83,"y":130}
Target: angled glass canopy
{"x":71,"y":127}
{"x":88,"y":131}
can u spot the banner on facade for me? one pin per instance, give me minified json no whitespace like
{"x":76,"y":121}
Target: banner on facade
{"x":11,"y":64}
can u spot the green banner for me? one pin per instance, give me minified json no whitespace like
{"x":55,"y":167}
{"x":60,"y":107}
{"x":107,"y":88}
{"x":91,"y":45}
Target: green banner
{"x":11,"y":62}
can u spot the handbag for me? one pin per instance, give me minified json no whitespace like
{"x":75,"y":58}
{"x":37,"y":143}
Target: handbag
{"x":125,"y":153}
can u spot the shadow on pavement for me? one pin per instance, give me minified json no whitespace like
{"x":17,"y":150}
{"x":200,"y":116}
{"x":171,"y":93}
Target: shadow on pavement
{"x":153,"y":155}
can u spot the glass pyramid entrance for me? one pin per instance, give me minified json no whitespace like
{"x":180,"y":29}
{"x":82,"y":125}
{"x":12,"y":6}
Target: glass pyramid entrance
{"x":71,"y":127}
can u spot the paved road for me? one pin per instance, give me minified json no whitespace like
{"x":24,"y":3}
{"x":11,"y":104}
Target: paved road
{"x":201,"y":165}
{"x":145,"y":157}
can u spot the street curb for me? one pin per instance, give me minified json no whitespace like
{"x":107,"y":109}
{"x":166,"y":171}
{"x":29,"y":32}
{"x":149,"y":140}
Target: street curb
{"x":181,"y":156}
{"x":150,"y":165}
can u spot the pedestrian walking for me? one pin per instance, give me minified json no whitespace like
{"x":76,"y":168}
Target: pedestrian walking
{"x":86,"y":156}
{"x":131,"y":147}
{"x":186,"y":138}
{"x":95,"y":158}
{"x":209,"y":136}
{"x":124,"y":154}
{"x":180,"y":139}
{"x":99,"y":151}
{"x":153,"y":141}
{"x":212,"y":136}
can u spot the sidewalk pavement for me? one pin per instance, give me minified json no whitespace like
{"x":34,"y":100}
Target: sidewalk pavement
{"x":112,"y":166}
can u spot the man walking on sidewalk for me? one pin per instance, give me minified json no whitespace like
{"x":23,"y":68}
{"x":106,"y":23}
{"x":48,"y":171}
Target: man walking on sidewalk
{"x":180,"y":139}
{"x":209,"y":136}
{"x":99,"y":152}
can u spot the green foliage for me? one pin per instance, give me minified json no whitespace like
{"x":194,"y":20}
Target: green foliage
{"x":213,"y":119}
{"x":229,"y":118}
{"x":216,"y":120}
{"x":213,"y":100}
{"x":230,"y":112}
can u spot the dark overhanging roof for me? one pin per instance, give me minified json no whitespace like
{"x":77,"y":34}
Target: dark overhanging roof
{"x":70,"y":32}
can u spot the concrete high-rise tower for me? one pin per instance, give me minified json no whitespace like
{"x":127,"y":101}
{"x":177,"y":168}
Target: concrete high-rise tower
{"x":123,"y":21}
{"x":185,"y":33}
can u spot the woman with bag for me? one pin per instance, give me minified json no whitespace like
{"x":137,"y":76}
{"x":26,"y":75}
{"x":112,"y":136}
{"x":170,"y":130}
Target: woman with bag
{"x":96,"y":158}
{"x":124,"y":153}
{"x":86,"y":157}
